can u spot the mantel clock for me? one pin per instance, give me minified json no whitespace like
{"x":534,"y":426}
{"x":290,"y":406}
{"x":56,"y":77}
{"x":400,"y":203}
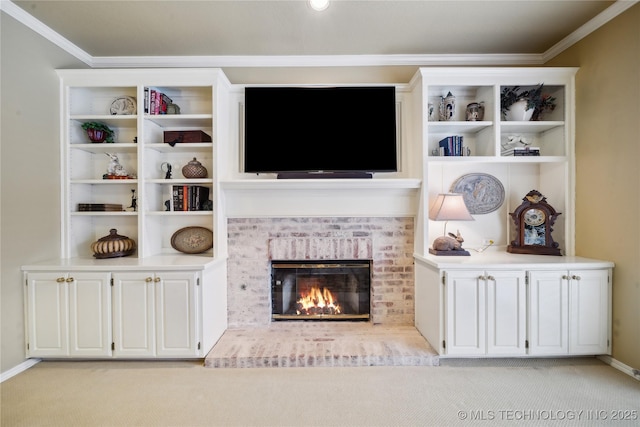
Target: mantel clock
{"x":533,"y":221}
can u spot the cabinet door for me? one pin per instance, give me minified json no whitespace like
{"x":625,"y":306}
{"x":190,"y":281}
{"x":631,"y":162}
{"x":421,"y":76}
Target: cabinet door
{"x":176,"y":314}
{"x":548,"y":313}
{"x":506,"y":312}
{"x":465,"y":324}
{"x":89,"y":314}
{"x":134,"y":314}
{"x":47,"y":315}
{"x":589,"y":312}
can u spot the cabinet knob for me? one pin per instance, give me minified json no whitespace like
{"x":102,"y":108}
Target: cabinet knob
{"x":491,"y":278}
{"x":565,"y":277}
{"x":482,"y":277}
{"x":70,"y":279}
{"x":148,"y":279}
{"x":574,"y":277}
{"x":157,"y":279}
{"x":60,"y":279}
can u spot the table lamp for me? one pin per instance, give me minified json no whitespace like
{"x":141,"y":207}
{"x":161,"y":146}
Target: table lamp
{"x":449,"y":207}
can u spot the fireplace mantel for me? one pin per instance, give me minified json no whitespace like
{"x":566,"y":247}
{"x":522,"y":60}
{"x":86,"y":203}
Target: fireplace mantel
{"x":390,"y":184}
{"x":320,"y":197}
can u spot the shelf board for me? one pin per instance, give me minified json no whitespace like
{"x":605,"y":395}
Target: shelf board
{"x":180,"y":120}
{"x":98,"y":148}
{"x":458,"y":127}
{"x":94,"y":213}
{"x":119,"y":121}
{"x":529,"y":127}
{"x":104,"y":181}
{"x":181,"y":181}
{"x":179,"y":213}
{"x":497,"y":159}
{"x":185,"y":147}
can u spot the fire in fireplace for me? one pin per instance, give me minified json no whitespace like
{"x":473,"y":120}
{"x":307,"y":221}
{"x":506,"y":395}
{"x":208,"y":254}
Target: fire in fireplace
{"x":321,"y":290}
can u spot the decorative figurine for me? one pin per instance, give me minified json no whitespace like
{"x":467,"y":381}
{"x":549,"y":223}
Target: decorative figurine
{"x":115,"y":169}
{"x":166,"y":167}
{"x":447,"y":107}
{"x":134,"y":201}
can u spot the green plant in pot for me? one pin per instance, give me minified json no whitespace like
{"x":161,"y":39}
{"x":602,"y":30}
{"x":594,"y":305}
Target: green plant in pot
{"x":525,"y":105}
{"x":98,"y":132}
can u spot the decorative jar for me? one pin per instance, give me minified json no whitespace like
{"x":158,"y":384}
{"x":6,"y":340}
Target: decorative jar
{"x":113,"y":246}
{"x":194,"y":169}
{"x":519,"y":111}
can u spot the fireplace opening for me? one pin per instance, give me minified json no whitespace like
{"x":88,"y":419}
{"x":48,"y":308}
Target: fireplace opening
{"x":321,"y":290}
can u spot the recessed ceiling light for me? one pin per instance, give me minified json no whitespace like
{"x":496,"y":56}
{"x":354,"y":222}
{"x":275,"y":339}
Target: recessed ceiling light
{"x":319,"y":5}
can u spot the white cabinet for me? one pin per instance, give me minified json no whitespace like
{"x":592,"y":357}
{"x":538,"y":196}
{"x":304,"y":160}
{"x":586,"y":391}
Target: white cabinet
{"x":68,"y":314}
{"x":485,"y":312}
{"x":509,"y":305}
{"x":177,"y":313}
{"x":156,"y":314}
{"x":569,"y":312}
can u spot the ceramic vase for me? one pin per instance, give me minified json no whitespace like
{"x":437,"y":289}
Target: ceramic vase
{"x":518,"y":112}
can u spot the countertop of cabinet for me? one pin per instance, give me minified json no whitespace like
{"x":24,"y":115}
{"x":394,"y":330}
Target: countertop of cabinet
{"x":155,"y":263}
{"x":504,"y":260}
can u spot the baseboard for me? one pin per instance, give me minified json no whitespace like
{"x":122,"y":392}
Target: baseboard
{"x":18,"y":369}
{"x":635,"y":373}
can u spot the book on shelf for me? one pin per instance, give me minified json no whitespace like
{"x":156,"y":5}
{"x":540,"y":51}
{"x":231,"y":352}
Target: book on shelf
{"x":189,"y":198}
{"x":522,"y":151}
{"x":99,"y":207}
{"x":453,"y":146}
{"x":155,"y":102}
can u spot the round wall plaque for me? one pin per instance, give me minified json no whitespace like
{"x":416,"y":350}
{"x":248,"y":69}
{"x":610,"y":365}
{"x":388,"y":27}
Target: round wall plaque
{"x":482,"y":193}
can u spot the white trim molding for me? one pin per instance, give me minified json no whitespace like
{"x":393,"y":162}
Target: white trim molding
{"x":598,"y":21}
{"x":634,"y":373}
{"x":18,"y":369}
{"x":29,"y":21}
{"x":314,"y":60}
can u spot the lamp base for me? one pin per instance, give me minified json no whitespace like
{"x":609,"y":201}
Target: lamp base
{"x":460,"y":252}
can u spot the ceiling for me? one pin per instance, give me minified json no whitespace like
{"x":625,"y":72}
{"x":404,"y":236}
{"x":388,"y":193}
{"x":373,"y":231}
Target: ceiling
{"x":250,"y":30}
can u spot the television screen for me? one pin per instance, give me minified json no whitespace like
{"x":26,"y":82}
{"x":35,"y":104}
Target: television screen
{"x":320,"y":129}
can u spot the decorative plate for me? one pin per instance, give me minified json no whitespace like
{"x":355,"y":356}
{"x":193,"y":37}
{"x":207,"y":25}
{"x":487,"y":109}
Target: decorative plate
{"x":483,"y":193}
{"x":192,"y":240}
{"x":123,"y":105}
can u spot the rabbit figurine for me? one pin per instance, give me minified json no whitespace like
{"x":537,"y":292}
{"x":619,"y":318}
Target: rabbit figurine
{"x":451,"y":242}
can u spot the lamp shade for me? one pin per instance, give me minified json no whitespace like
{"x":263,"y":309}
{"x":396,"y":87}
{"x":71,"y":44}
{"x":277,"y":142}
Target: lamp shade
{"x":449,"y":207}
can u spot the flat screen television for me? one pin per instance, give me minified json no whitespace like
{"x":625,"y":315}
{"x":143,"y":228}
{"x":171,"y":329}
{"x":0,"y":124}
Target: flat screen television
{"x":320,"y":132}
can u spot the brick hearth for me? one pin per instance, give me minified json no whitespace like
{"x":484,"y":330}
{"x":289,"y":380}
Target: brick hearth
{"x":318,"y":344}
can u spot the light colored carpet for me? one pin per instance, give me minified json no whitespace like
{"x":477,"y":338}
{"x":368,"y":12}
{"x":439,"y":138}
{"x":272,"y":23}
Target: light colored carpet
{"x":565,"y":392}
{"x":313,"y":344}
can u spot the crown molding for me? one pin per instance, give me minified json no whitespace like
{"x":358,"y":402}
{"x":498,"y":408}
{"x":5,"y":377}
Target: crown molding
{"x":28,"y":20}
{"x":589,"y":27}
{"x":315,"y":60}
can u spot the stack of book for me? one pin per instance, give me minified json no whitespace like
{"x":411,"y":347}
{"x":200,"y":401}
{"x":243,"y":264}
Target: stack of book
{"x":453,"y":146}
{"x":189,"y":198}
{"x":522,"y":151}
{"x":155,"y":102}
{"x":99,"y":207}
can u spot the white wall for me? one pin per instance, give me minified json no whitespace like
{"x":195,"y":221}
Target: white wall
{"x":29,"y":169}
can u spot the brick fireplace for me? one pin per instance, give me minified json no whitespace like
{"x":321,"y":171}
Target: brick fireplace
{"x":255,"y":242}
